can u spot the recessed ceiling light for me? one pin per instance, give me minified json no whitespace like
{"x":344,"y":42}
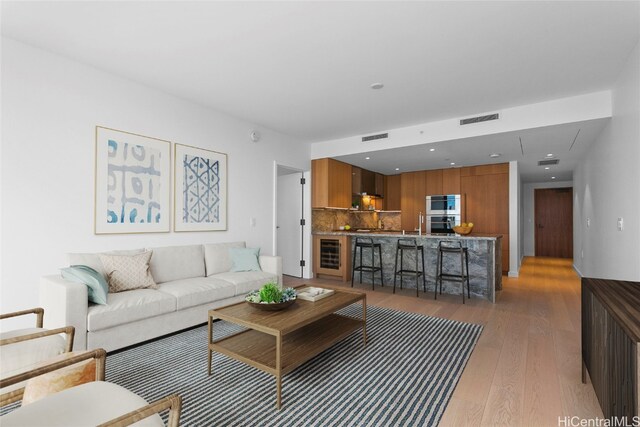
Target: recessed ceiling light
{"x":547,"y":168}
{"x":377,"y":86}
{"x":495,"y":155}
{"x":367,"y":158}
{"x":452,"y":163}
{"x":550,"y":155}
{"x":397,"y":169}
{"x":553,"y":177}
{"x":432,"y":149}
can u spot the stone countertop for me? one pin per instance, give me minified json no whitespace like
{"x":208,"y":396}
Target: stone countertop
{"x":393,"y":233}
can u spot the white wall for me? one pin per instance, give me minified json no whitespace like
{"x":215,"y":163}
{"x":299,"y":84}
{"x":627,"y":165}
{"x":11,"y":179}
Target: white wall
{"x":606,"y":188}
{"x":514,"y":219}
{"x":51,"y":106}
{"x":528,"y":209}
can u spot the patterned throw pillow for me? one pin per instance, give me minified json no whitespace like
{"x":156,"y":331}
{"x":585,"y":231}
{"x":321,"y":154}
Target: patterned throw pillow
{"x":127,"y":272}
{"x":62,"y":379}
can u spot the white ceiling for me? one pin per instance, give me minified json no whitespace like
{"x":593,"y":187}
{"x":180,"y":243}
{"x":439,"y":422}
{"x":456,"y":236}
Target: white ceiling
{"x":567,"y":143}
{"x":304,"y":68}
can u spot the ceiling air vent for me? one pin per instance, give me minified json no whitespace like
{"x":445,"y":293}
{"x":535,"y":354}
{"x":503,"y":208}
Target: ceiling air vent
{"x":479,"y":119}
{"x":548,"y":162}
{"x":374,"y":137}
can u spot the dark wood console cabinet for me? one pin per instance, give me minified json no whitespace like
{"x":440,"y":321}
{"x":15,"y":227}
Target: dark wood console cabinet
{"x":610,"y":340}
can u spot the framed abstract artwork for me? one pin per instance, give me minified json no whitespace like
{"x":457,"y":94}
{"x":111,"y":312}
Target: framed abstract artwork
{"x":200,"y":189}
{"x":132,"y":193}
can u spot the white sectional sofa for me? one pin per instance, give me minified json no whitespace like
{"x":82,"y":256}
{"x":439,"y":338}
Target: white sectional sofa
{"x":192,"y":279}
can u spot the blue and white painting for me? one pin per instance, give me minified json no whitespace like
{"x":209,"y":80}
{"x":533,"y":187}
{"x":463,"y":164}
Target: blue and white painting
{"x":131,"y":183}
{"x":200,"y":189}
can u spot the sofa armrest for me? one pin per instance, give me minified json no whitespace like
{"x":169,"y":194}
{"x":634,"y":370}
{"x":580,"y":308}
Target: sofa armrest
{"x":66,"y":304}
{"x":272,"y":264}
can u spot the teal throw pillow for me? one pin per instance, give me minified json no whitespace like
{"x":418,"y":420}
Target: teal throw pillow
{"x":96,"y":284}
{"x":245,"y":259}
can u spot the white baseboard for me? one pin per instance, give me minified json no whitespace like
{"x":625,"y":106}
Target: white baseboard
{"x":577,"y":271}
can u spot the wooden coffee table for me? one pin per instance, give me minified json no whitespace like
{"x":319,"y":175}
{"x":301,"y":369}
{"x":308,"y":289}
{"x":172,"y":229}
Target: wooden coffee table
{"x":278,"y":342}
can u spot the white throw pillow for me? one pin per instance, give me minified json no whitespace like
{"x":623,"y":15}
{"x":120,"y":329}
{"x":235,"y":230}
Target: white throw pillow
{"x":127,"y":272}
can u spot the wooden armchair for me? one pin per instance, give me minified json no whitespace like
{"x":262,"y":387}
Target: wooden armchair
{"x":95,"y":403}
{"x":23,"y":349}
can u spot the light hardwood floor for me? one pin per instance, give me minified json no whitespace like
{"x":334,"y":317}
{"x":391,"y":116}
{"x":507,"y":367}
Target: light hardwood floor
{"x":526,"y":368}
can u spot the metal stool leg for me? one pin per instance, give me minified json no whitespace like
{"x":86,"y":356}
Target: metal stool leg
{"x":373,"y":268}
{"x":424,"y":272}
{"x":435,"y":289}
{"x":395,"y":271}
{"x":361,"y":249}
{"x":417,"y":275}
{"x":353,"y":263}
{"x":401,"y":266}
{"x":462,"y":273}
{"x":381,"y":271}
{"x":466,"y":259}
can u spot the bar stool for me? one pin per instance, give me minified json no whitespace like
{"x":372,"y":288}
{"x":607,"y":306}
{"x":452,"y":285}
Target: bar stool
{"x":409,"y":245}
{"x":364,"y":243}
{"x":453,"y":247}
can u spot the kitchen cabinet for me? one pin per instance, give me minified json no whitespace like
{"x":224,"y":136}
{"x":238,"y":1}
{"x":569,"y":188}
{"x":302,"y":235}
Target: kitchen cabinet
{"x":332,"y":257}
{"x":433,"y":183}
{"x":330,"y":184}
{"x":412,"y":198}
{"x":368,"y":182}
{"x":356,"y":180}
{"x":392,"y":192}
{"x":486,"y":190}
{"x":379,"y":188}
{"x":451,"y":181}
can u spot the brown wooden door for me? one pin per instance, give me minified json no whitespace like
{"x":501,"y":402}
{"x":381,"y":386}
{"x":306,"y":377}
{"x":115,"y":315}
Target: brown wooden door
{"x":554,"y":222}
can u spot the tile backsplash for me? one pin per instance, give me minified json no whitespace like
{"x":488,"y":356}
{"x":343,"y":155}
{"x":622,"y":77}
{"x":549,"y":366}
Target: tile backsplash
{"x":332,"y":219}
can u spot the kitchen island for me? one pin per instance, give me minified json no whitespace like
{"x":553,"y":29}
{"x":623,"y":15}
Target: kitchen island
{"x":485,"y":260}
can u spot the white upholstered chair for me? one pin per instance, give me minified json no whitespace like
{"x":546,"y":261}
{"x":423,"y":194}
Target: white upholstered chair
{"x":24,"y":349}
{"x":96,"y":403}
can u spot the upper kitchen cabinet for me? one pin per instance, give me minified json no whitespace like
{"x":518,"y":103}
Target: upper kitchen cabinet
{"x":451,"y":181}
{"x":368,"y":182}
{"x":412,"y":198}
{"x":356,"y":180}
{"x":379,"y":190}
{"x":392,"y":192}
{"x":433,"y":183}
{"x":331,"y":183}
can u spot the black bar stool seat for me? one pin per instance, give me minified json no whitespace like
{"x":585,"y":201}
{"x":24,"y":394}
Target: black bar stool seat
{"x":453,"y":247}
{"x":409,"y":245}
{"x":367,"y":243}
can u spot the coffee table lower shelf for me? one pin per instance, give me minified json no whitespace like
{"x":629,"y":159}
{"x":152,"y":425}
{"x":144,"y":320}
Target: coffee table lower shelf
{"x":260,"y":349}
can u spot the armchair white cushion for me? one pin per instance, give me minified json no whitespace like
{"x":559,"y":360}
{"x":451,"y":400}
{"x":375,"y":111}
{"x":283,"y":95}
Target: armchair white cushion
{"x":88,"y":404}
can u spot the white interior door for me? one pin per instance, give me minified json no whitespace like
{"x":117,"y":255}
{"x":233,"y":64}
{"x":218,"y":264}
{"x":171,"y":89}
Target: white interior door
{"x":289,"y":213}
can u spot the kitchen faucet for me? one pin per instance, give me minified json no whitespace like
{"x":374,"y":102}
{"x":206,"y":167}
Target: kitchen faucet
{"x":420,"y":219}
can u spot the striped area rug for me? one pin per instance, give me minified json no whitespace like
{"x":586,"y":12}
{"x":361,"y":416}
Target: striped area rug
{"x":403,"y":377}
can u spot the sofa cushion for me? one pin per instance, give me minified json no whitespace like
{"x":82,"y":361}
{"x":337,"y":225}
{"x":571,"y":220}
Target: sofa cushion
{"x":129,"y":306}
{"x":216,"y":256}
{"x":93,"y":260}
{"x":246,"y":281}
{"x":198,"y":290}
{"x":177,"y":262}
{"x":97,"y":287}
{"x":128,"y":272}
{"x":88,"y":404}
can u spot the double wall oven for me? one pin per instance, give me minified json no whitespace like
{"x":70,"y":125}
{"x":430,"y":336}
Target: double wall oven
{"x":444,"y":212}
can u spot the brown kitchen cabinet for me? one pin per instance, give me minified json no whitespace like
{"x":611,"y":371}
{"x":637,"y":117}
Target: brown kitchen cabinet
{"x":368,"y":182}
{"x":356,"y":180}
{"x":451,"y":181}
{"x":392,"y":192}
{"x":332,"y":257}
{"x":412,"y":198}
{"x":331,"y":184}
{"x":433,"y":183}
{"x":486,"y":190}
